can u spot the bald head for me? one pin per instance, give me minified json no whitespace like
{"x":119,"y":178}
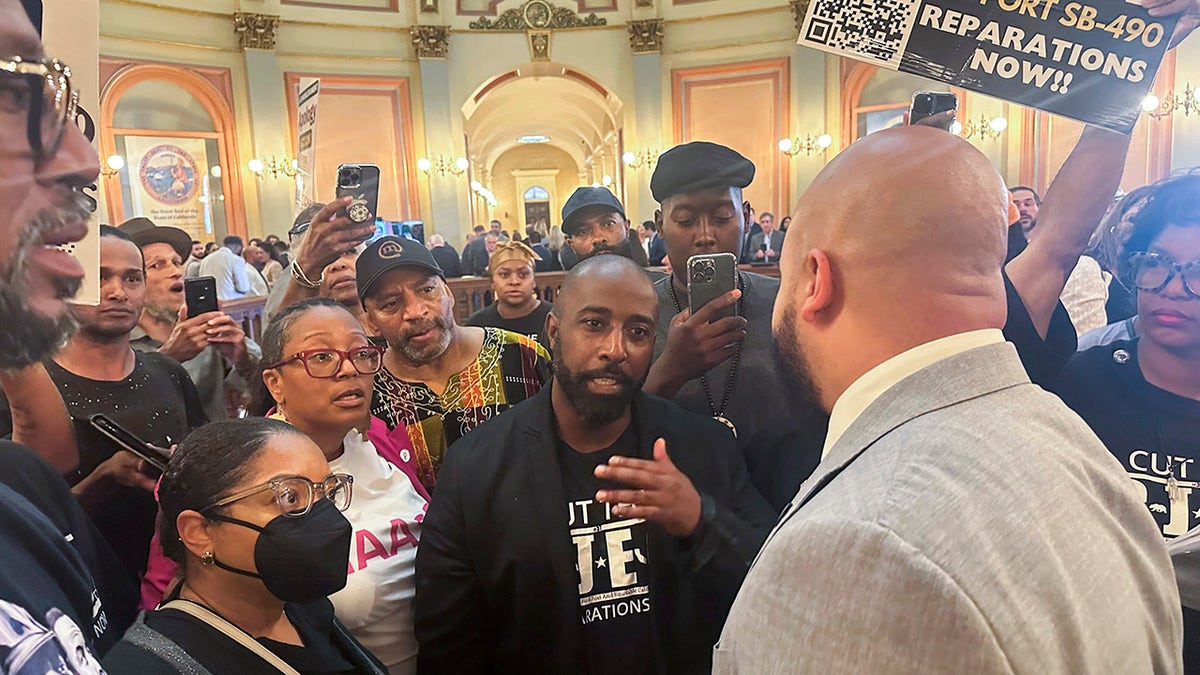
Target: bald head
{"x":606,"y":276}
{"x":899,"y":241}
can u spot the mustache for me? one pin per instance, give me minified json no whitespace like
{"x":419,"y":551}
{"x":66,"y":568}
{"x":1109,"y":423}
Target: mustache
{"x":71,"y":207}
{"x":612,"y":372}
{"x":423,"y":326}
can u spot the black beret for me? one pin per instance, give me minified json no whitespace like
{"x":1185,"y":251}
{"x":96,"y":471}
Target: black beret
{"x":699,"y":166}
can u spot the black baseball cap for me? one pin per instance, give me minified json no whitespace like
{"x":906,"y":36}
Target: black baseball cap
{"x":585,"y":197}
{"x":388,"y":253}
{"x":143,"y":232}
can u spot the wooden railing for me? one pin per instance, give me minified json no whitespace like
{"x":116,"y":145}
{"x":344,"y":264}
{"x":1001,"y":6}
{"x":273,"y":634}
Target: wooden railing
{"x":249,"y":313}
{"x":472,"y":294}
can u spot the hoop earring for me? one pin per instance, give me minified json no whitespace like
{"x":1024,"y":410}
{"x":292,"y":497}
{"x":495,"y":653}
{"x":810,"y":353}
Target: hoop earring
{"x":208,"y":558}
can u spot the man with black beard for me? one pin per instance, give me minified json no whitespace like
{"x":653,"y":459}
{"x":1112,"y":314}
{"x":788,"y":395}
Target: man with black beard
{"x":595,"y":224}
{"x":56,"y":573}
{"x":149,"y":394}
{"x":593,"y":528}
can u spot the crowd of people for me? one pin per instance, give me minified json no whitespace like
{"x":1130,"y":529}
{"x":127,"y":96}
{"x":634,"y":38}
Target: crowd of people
{"x":943,"y":439}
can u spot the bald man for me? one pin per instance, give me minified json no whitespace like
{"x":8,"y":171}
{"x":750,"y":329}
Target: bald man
{"x":593,"y":528}
{"x":961,"y":520}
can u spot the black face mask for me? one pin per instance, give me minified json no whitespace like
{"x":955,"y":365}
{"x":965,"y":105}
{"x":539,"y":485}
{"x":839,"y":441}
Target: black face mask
{"x":300,"y":559}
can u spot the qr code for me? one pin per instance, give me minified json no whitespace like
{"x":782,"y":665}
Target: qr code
{"x":869,"y":29}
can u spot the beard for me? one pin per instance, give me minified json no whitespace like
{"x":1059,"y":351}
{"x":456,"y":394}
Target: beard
{"x":624,"y":249}
{"x":27,"y":336}
{"x":595,"y":409}
{"x":162,"y":313}
{"x":798,"y":381}
{"x":422,"y":355}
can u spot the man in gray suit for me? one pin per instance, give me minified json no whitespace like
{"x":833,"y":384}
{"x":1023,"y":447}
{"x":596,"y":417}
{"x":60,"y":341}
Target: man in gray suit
{"x":962,"y":520}
{"x":766,"y":245}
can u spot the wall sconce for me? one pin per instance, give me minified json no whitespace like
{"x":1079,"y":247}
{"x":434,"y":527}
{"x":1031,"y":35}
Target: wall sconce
{"x":646,"y":157}
{"x":811,"y":144}
{"x":984,"y":128}
{"x":484,"y":193}
{"x":275,"y":166}
{"x":1188,"y":102}
{"x":443,"y":166}
{"x":112,"y":165}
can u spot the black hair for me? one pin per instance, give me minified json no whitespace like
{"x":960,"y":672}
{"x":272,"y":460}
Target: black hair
{"x":766,"y":214}
{"x":479,"y":229}
{"x":1175,"y":201}
{"x":278,"y":332}
{"x":209,"y":463}
{"x":110,"y":231}
{"x":534,"y":237}
{"x":195,"y":243}
{"x":232,"y":240}
{"x":1037,"y":199}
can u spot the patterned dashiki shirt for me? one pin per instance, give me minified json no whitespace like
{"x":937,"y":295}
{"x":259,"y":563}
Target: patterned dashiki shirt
{"x":509,"y":369}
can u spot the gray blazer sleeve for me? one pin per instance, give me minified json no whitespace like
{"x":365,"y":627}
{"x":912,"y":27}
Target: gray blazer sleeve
{"x":828,"y":583}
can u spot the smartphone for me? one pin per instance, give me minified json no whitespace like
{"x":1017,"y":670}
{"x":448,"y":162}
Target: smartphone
{"x":930,"y":103}
{"x":200,"y":294}
{"x":361,"y":182}
{"x":127,"y":441}
{"x":709,"y":276}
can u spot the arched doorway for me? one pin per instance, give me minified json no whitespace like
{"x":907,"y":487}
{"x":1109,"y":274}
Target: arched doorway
{"x":175,"y":134}
{"x":536,"y":133}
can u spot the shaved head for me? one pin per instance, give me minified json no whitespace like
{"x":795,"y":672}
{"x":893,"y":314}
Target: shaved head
{"x":601,"y":270}
{"x":897,"y":242}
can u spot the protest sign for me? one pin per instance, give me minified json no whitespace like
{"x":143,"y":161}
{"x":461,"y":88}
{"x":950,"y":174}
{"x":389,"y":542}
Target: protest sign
{"x":1093,"y":61}
{"x":306,"y":132}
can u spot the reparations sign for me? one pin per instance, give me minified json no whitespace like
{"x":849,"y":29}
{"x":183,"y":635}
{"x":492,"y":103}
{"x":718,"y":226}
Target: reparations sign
{"x":1092,"y":61}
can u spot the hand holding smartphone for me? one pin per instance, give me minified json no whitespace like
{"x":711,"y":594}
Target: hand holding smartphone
{"x":933,"y":108}
{"x":710,"y":276}
{"x":361,"y":183}
{"x":125,"y":440}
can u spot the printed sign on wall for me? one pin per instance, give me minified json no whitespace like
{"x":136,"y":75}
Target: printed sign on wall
{"x":306,"y":140}
{"x":168,"y":181}
{"x":1092,"y":61}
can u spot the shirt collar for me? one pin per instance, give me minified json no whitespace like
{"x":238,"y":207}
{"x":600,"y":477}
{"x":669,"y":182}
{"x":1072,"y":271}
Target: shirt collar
{"x":860,"y":395}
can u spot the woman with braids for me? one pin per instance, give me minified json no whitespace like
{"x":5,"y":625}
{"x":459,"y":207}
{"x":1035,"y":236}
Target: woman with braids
{"x":318,"y":370}
{"x":252,"y":514}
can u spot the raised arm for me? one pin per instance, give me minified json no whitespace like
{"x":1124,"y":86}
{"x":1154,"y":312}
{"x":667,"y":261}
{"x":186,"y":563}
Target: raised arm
{"x":1076,"y":201}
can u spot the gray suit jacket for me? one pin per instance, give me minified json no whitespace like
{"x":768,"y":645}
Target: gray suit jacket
{"x":967,"y":522}
{"x":756,"y":244}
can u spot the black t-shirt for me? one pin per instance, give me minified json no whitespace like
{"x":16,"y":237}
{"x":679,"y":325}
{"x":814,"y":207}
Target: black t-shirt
{"x":320,"y":655}
{"x":35,"y":480}
{"x":158,"y":403}
{"x":614,"y":577}
{"x":1043,"y":359}
{"x":51,"y":617}
{"x":1154,"y":433}
{"x":532,"y":324}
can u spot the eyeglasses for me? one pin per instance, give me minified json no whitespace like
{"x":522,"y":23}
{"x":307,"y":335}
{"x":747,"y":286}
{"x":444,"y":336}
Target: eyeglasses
{"x":47,"y":98}
{"x":295,"y":495}
{"x":327,"y":363}
{"x":1152,"y":272}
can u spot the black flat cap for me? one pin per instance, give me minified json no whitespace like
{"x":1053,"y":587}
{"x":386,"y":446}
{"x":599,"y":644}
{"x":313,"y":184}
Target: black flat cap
{"x":584,"y":197}
{"x":388,"y":253}
{"x":699,"y":166}
{"x":143,"y":231}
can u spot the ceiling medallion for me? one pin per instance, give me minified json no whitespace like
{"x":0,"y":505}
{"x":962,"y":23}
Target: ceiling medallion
{"x":538,"y":15}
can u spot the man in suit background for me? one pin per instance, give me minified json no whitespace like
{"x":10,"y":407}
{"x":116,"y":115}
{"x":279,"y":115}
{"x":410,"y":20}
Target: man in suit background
{"x":766,"y":245}
{"x":446,"y":257}
{"x":653,"y":244}
{"x":592,"y":528}
{"x":961,"y":519}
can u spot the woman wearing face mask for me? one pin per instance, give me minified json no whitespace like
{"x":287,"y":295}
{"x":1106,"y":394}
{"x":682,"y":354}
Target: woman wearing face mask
{"x":320,"y":374}
{"x":252,"y":514}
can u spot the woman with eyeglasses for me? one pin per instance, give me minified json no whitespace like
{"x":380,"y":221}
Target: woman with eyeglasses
{"x":253,"y":515}
{"x":319,"y":370}
{"x":1141,"y":396}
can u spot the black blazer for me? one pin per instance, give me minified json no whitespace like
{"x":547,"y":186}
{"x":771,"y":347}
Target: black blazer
{"x":497,"y":589}
{"x":658,"y":251}
{"x":447,"y":259}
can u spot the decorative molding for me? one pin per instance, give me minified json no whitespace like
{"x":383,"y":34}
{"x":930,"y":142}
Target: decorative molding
{"x":643,"y":3}
{"x":429,"y":5}
{"x":646,"y":37}
{"x":390,"y":6}
{"x":799,"y":9}
{"x":255,"y":31}
{"x":431,"y":42}
{"x":538,"y":15}
{"x":539,"y":45}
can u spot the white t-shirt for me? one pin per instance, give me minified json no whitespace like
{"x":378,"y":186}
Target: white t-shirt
{"x":386,"y":511}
